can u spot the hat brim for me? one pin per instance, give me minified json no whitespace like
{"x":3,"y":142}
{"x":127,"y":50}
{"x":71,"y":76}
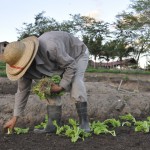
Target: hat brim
{"x":15,"y":73}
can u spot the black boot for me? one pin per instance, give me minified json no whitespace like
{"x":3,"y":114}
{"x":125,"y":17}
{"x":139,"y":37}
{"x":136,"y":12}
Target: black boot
{"x":83,"y":116}
{"x":54,"y":113}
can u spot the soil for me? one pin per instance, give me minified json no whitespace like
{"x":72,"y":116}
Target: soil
{"x":125,"y":139}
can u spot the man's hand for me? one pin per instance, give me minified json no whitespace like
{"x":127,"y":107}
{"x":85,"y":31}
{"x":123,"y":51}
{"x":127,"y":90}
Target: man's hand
{"x":56,"y":88}
{"x":11,"y":123}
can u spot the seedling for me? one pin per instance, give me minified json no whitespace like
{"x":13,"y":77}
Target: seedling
{"x":72,"y":131}
{"x":142,"y":126}
{"x":127,"y":118}
{"x":42,"y":125}
{"x":21,"y":130}
{"x":112,"y":122}
{"x":43,"y":87}
{"x":101,"y":128}
{"x":9,"y":131}
{"x":17,"y":130}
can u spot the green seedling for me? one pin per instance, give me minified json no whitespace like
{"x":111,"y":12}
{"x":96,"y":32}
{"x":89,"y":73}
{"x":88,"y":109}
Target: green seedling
{"x":112,"y":122}
{"x":59,"y":129}
{"x":21,"y":130}
{"x":126,"y":123}
{"x":75,"y":132}
{"x":42,"y":125}
{"x":43,"y":87}
{"x":9,"y":131}
{"x":128,"y":118}
{"x":142,"y":126}
{"x":101,"y":128}
{"x":72,"y":131}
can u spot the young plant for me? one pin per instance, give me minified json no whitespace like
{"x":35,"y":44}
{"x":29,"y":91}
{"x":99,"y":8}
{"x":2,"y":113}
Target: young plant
{"x":101,"y":128}
{"x":127,"y":119}
{"x":72,"y":131}
{"x":21,"y":130}
{"x":43,"y":87}
{"x":142,"y":126}
{"x":75,"y":132}
{"x":42,"y":125}
{"x":59,"y":129}
{"x":9,"y":131}
{"x":17,"y":130}
{"x":112,"y":123}
{"x":126,"y":123}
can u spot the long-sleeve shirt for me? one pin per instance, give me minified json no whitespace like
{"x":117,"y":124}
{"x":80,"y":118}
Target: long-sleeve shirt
{"x":58,"y":53}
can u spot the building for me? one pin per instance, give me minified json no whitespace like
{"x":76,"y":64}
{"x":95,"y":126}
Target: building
{"x":114,"y":64}
{"x":2,"y":46}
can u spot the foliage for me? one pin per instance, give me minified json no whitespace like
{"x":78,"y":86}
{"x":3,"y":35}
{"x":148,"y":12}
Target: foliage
{"x":130,"y":34}
{"x":101,"y":128}
{"x":18,"y":130}
{"x":128,"y":117}
{"x":43,"y":87}
{"x":116,"y":71}
{"x":134,"y":26}
{"x":2,"y":69}
{"x":21,"y":130}
{"x":112,"y":122}
{"x":72,"y":131}
{"x":42,"y":125}
{"x":142,"y":126}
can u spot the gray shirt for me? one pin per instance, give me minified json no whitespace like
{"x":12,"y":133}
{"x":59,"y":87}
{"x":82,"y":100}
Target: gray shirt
{"x":58,"y":53}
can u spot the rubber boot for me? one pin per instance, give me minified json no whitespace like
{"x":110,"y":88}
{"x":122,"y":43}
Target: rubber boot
{"x":83,"y":116}
{"x":54,"y":113}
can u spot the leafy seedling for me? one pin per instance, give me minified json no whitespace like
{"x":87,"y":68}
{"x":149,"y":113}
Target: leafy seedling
{"x":72,"y":131}
{"x":75,"y":132}
{"x":42,"y":125}
{"x":9,"y":131}
{"x":142,"y":126}
{"x":127,"y":118}
{"x":101,"y":128}
{"x":112,"y":122}
{"x":43,"y":87}
{"x":21,"y":130}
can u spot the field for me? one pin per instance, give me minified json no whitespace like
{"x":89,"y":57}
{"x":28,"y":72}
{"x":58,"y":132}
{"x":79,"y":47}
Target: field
{"x":126,"y":138}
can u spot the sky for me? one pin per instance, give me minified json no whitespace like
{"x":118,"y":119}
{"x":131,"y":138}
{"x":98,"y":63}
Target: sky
{"x":13,"y":13}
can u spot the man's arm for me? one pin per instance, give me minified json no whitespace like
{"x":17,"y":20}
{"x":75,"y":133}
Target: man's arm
{"x":21,"y":97}
{"x":68,"y":64}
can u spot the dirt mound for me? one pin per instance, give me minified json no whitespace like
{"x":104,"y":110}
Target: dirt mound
{"x":109,"y":96}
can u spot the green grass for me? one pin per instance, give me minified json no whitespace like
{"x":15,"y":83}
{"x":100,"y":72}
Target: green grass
{"x":117,"y":71}
{"x":92,"y":70}
{"x":2,"y":69}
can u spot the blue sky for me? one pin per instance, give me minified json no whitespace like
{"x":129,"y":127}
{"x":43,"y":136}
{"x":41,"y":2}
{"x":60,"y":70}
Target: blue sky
{"x":13,"y":13}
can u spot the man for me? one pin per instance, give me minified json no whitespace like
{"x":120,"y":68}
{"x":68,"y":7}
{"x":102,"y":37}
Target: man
{"x":54,"y":52}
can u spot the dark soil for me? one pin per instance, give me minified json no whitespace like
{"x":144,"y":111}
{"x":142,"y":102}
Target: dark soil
{"x":126,"y":139}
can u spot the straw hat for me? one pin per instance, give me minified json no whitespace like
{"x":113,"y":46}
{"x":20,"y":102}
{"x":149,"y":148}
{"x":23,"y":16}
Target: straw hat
{"x":19,"y":56}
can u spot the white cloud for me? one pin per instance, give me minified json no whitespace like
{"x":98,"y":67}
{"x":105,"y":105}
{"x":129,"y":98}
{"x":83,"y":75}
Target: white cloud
{"x":94,"y":14}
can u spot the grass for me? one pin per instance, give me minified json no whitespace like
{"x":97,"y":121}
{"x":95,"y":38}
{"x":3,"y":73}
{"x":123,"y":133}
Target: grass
{"x":117,"y":71}
{"x":92,"y":70}
{"x":2,"y":69}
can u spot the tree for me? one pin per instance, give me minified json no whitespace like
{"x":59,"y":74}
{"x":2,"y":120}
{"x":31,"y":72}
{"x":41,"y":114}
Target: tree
{"x":94,"y":45}
{"x":42,"y":24}
{"x":135,"y":26}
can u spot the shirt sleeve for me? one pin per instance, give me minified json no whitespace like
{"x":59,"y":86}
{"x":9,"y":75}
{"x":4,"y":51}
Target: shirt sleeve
{"x":68,"y":64}
{"x":21,"y":97}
